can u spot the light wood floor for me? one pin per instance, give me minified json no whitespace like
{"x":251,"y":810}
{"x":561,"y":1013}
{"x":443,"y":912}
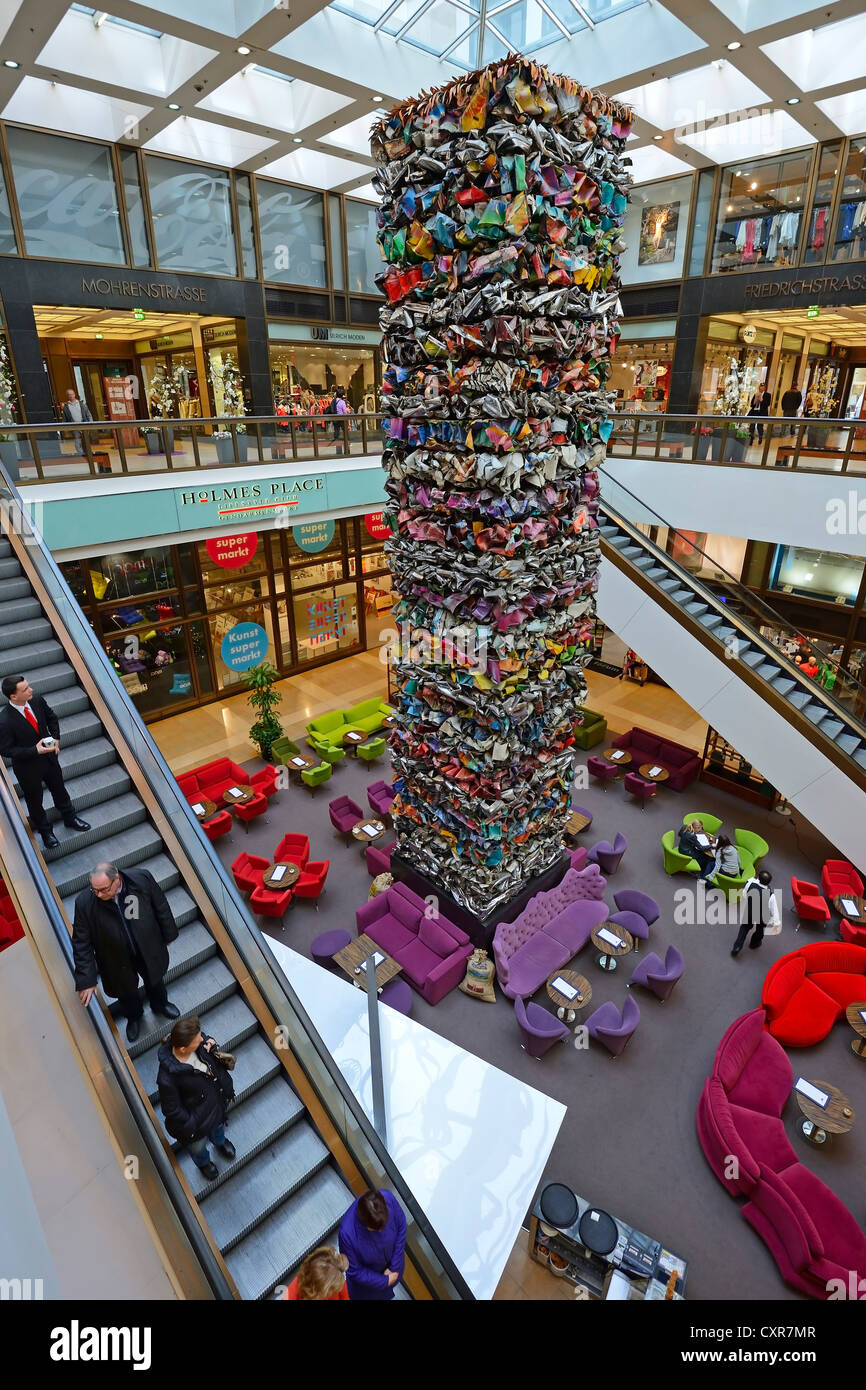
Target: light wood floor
{"x":655,"y":707}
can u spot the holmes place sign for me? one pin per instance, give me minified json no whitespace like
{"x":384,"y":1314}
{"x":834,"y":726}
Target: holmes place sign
{"x":143,"y":289}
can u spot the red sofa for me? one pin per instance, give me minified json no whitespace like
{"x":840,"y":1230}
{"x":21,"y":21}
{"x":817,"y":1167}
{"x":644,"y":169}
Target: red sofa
{"x":682,"y":764}
{"x":212,"y":779}
{"x":10,"y":925}
{"x":807,"y":990}
{"x":811,"y":1234}
{"x":431,"y":951}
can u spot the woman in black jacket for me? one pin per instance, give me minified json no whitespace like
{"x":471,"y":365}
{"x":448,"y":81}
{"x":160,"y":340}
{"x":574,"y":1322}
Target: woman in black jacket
{"x":194,"y":1092}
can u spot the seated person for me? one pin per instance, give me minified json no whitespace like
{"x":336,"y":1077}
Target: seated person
{"x":727,"y":859}
{"x":690,"y":844}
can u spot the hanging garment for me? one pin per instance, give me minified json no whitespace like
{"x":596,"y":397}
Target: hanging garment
{"x":740,"y":238}
{"x":789,"y":229}
{"x":749,"y":244}
{"x":773,"y":243}
{"x":846,"y":224}
{"x":818,"y":224}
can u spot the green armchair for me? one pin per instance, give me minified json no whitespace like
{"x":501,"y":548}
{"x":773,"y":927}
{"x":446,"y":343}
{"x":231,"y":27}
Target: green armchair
{"x":676,"y":863}
{"x":327,"y":751}
{"x":313,"y":777}
{"x":734,"y":885}
{"x":710,"y":823}
{"x":282,"y":749}
{"x":756,"y":848}
{"x":591,"y":731}
{"x":373,"y":748}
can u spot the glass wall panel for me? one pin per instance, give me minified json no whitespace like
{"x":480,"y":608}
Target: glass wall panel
{"x":655,"y":231}
{"x":819,"y":232}
{"x":192,"y":217}
{"x":336,"y":232}
{"x":703,"y":217}
{"x":221,"y":624}
{"x":125,"y":575}
{"x":326,"y":621}
{"x":157,"y":670}
{"x":850,"y":240}
{"x":365,"y":261}
{"x":244,"y":195}
{"x":760,"y":212}
{"x":816,"y":574}
{"x":227,"y":569}
{"x":134,"y":207}
{"x":292,"y":232}
{"x":8,"y":244}
{"x":66,"y":197}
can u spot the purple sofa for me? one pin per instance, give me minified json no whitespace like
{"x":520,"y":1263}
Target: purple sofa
{"x":431,"y":951}
{"x":551,"y":929}
{"x":682,"y":764}
{"x":811,"y":1234}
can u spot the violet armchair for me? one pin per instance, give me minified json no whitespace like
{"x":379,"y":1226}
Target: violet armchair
{"x":380,"y":798}
{"x":539,"y":1029}
{"x":608,"y":857}
{"x":344,"y":813}
{"x":632,"y":900}
{"x":612,"y":1028}
{"x":602,"y":771}
{"x":659,"y":975}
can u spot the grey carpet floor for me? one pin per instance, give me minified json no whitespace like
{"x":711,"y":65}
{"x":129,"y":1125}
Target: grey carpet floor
{"x":628,"y":1142}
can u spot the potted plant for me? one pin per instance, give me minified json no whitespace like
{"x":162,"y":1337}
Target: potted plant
{"x":163,"y":398}
{"x":264,"y":700}
{"x":226,"y":379}
{"x":8,"y":411}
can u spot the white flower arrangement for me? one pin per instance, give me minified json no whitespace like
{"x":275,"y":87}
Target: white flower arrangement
{"x":227,"y":376}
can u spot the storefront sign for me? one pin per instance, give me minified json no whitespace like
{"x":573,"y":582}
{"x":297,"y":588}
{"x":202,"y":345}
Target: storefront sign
{"x":377,"y":526}
{"x":817,"y":285}
{"x":244,"y":646}
{"x":305,"y":333}
{"x":315,"y":536}
{"x":168,"y":340}
{"x":143,"y":289}
{"x":230,"y":552}
{"x":223,"y":333}
{"x":244,"y":503}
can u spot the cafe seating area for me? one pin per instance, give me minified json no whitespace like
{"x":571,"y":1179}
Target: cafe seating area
{"x":368,"y":717}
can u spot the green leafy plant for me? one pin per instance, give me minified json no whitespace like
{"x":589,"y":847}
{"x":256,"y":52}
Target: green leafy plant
{"x":8,"y":403}
{"x":263,"y":699}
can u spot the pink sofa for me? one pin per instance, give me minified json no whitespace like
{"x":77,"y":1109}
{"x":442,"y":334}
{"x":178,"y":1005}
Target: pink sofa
{"x":809,"y":1231}
{"x":431,"y":951}
{"x":528,"y":949}
{"x":682,"y":764}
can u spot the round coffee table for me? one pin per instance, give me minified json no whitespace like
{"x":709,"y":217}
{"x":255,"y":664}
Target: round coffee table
{"x":820,"y":1122}
{"x":362,"y":837}
{"x":858,"y":918}
{"x":566,"y":1008}
{"x":621,"y":757}
{"x":290,"y":875}
{"x":609,"y":953}
{"x":246,"y":794}
{"x":298,"y":762}
{"x":353,"y":738}
{"x":207,"y":808}
{"x":646,"y":771}
{"x":856,"y":1016}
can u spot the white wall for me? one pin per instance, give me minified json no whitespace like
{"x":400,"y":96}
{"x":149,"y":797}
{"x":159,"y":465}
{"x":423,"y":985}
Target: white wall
{"x":711,"y":686}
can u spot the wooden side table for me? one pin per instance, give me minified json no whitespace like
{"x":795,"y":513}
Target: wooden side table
{"x":567,"y":1008}
{"x":646,"y":771}
{"x":352,"y":958}
{"x":820,"y":1121}
{"x":856,"y":1016}
{"x":609,"y":952}
{"x":859,"y":916}
{"x":246,"y":794}
{"x":291,"y":872}
{"x":203,"y":809}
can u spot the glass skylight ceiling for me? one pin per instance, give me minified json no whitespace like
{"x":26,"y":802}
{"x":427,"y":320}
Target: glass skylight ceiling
{"x":470,"y":33}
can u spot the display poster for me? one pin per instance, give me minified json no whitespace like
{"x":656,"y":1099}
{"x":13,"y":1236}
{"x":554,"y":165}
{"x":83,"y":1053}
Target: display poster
{"x":120,"y":405}
{"x":658,"y":234}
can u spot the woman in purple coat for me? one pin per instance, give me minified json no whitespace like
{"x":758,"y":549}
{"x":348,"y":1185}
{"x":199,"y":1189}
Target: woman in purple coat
{"x":373,"y":1238}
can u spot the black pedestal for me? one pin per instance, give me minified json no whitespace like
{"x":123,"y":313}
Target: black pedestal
{"x":479,"y":929}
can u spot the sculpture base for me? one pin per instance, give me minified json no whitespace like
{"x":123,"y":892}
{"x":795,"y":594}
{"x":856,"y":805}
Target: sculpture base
{"x":479,"y":929}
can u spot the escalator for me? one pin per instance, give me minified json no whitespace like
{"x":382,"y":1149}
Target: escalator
{"x":284,"y":1193}
{"x":705,"y":641}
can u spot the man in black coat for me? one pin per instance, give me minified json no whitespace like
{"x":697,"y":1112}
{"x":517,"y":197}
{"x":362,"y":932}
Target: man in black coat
{"x":122,"y":929}
{"x":26,"y":722}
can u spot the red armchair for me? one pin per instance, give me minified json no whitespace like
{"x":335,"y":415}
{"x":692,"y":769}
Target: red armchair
{"x":839,"y":877}
{"x":267,"y":903}
{"x":808,"y":989}
{"x":854,"y":935}
{"x":265,"y":781}
{"x":217,"y":825}
{"x":293,"y":849}
{"x":247,"y":870}
{"x":311,"y":883}
{"x":248,"y":810}
{"x":808,"y":903}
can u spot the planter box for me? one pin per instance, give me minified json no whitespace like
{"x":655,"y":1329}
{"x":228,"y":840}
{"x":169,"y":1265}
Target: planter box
{"x":49,"y":447}
{"x":153,"y":441}
{"x":225,"y":449}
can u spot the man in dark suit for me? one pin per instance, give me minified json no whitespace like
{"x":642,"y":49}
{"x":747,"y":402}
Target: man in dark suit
{"x":30,"y":736}
{"x":122,"y":929}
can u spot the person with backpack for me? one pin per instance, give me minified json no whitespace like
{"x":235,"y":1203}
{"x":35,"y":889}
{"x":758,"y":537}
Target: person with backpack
{"x":758,"y":911}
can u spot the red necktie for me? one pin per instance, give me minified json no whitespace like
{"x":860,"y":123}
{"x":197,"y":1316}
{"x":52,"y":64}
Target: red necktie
{"x":30,"y":717}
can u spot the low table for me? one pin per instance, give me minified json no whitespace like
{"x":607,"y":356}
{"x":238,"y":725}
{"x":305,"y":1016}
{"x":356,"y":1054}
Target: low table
{"x":858,"y":917}
{"x":207,"y":808}
{"x":646,"y":771}
{"x":821,"y":1121}
{"x":389,"y":722}
{"x":298,"y":762}
{"x":566,"y":1008}
{"x":352,"y":957}
{"x":609,"y":953}
{"x":353,"y":738}
{"x":362,"y":836}
{"x":290,"y":875}
{"x":575,"y":823}
{"x":246,"y":794}
{"x":854,"y":1014}
{"x":620,"y":757}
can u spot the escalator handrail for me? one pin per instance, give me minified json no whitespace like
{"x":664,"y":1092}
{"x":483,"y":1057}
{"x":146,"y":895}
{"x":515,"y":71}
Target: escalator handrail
{"x":775,"y":653}
{"x":10,"y":811}
{"x":214,"y":880}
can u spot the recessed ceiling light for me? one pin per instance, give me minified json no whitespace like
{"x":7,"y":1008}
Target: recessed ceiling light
{"x":377,"y":97}
{"x":734,"y":45}
{"x":297,"y":139}
{"x":753,"y":186}
{"x":243,"y":49}
{"x":658,"y":137}
{"x":174,"y":106}
{"x":11,"y":63}
{"x":793,"y":101}
{"x":730,"y":207}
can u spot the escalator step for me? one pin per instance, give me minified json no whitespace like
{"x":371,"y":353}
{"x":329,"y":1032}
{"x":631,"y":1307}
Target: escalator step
{"x":16,"y":634}
{"x":832,"y":727}
{"x":670,"y":583}
{"x":752,"y":657}
{"x":18,"y":608}
{"x":5,"y":548}
{"x":711,"y":620}
{"x":656,"y":573}
{"x":30,"y":658}
{"x":231,"y":1022}
{"x":768,"y":671}
{"x":849,"y":743}
{"x":276,"y":1247}
{"x":696,"y":608}
{"x":784,"y":686}
{"x":9,"y":569}
{"x":814,"y":713}
{"x":139,"y":842}
{"x":193,"y":993}
{"x":78,"y":727}
{"x":631,"y":552}
{"x":799,"y":699}
{"x":725,"y":633}
{"x":92,"y":790}
{"x":253,"y":1126}
{"x":11,"y":589}
{"x":235,"y":1209}
{"x":193,"y":946}
{"x":860,"y":757}
{"x":108,"y":818}
{"x":183,"y":906}
{"x":56,"y":677}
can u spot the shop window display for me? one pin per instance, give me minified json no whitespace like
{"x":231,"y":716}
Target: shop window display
{"x":126,"y":575}
{"x":850,"y":237}
{"x":232,"y":661}
{"x":655,"y":229}
{"x":760,"y":213}
{"x":154,"y":666}
{"x":818,"y":236}
{"x":641,"y":375}
{"x":326,"y":621}
{"x":816,"y":574}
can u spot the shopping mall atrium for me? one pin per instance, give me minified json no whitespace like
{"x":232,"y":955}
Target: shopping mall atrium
{"x":433,"y":574}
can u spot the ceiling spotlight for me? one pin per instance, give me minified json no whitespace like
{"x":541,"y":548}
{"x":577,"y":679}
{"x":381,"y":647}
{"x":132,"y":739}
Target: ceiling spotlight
{"x":733,"y":46}
{"x":753,"y":186}
{"x":99,"y":18}
{"x":174,"y":106}
{"x":793,"y":101}
{"x":11,"y":63}
{"x":658,"y":137}
{"x":297,"y":139}
{"x":730,"y":207}
{"x":243,"y":49}
{"x":377,"y":97}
